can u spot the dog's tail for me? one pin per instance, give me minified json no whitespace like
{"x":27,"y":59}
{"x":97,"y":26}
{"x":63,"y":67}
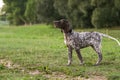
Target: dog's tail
{"x":105,"y":35}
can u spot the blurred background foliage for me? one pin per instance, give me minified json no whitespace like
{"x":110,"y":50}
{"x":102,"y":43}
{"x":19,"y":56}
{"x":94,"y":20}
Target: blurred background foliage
{"x":80,"y":13}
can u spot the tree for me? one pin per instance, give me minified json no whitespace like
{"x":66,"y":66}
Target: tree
{"x":78,"y":12}
{"x":105,"y":14}
{"x":31,"y":11}
{"x":46,"y":11}
{"x":15,"y":10}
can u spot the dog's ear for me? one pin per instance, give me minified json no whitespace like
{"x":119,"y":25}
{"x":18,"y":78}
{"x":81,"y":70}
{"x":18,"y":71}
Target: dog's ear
{"x":70,"y":31}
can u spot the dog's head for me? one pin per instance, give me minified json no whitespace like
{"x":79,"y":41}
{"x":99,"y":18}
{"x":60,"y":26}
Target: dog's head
{"x":63,"y":25}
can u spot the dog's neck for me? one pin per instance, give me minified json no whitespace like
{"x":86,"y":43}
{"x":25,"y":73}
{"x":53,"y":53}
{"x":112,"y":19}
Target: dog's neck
{"x":66,"y":36}
{"x":66,"y":32}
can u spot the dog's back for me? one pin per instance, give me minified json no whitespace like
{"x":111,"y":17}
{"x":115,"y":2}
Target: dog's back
{"x":83,"y":39}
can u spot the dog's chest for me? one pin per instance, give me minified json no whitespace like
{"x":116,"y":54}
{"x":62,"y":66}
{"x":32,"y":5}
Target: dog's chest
{"x":69,"y":40}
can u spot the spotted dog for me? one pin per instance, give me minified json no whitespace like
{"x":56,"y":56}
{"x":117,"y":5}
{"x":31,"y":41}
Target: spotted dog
{"x":77,"y":41}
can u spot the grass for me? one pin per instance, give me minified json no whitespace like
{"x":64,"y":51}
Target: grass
{"x":41,"y":47}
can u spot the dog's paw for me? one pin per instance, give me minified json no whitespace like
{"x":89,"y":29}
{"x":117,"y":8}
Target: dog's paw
{"x":95,"y":64}
{"x":68,"y":64}
{"x":82,"y":63}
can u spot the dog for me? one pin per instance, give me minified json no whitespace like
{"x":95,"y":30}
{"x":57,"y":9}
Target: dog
{"x":77,"y":40}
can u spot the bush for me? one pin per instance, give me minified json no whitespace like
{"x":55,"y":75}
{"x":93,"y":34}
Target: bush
{"x":105,"y":17}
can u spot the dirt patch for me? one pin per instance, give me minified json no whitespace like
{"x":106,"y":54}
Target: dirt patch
{"x":98,"y":78}
{"x":8,"y":64}
{"x":61,"y":76}
{"x":52,"y":76}
{"x":35,"y":72}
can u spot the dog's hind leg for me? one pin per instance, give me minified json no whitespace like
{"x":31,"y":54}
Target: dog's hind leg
{"x":98,"y":51}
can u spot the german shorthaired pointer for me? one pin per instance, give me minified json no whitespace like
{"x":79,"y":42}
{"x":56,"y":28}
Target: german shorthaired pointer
{"x":76,"y":40}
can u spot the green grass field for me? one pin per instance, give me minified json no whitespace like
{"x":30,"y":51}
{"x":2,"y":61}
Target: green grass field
{"x":41,"y":47}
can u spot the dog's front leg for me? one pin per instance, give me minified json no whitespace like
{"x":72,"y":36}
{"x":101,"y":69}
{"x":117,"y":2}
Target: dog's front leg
{"x":79,"y":56}
{"x":69,"y":55}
